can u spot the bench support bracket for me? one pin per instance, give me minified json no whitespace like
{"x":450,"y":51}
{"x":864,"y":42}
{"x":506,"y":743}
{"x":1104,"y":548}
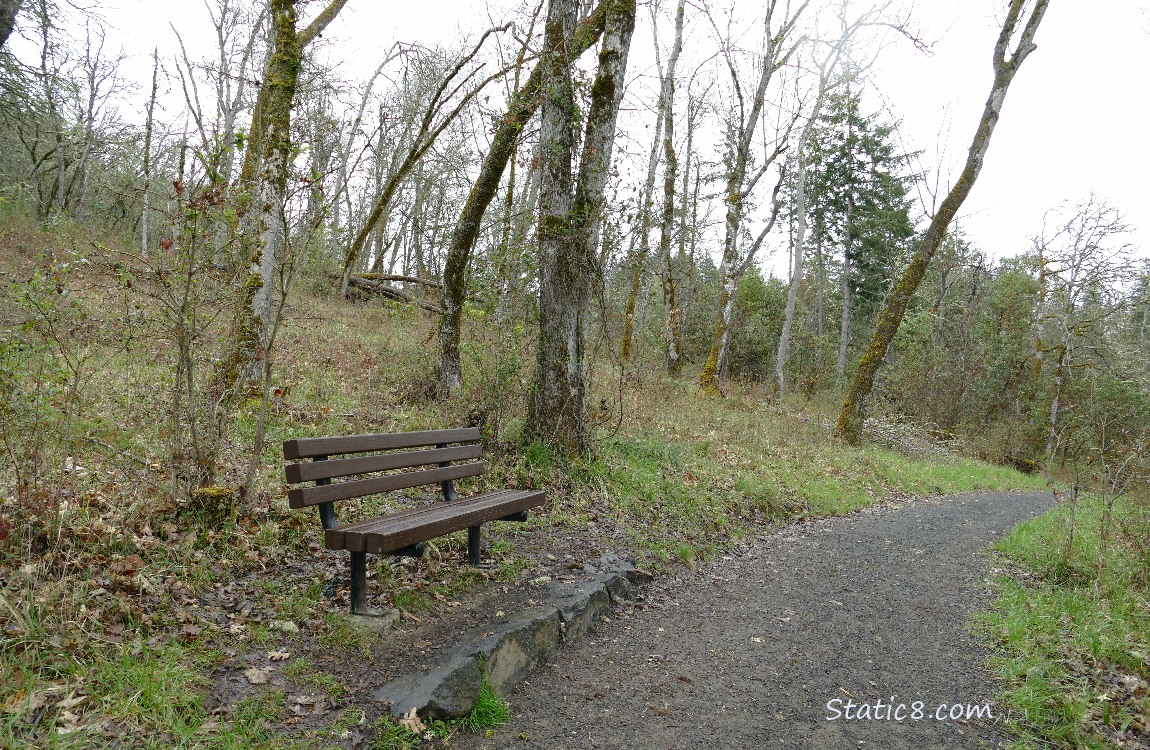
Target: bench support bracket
{"x":358,"y":582}
{"x":473,"y":544}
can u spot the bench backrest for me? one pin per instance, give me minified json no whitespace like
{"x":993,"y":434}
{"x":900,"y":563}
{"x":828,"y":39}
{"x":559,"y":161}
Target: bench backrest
{"x":451,"y":445}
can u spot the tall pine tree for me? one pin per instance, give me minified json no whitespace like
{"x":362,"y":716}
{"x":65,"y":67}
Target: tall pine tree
{"x":858,"y":188}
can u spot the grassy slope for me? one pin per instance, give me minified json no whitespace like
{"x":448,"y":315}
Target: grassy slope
{"x":1072,"y":628}
{"x":100,"y":629}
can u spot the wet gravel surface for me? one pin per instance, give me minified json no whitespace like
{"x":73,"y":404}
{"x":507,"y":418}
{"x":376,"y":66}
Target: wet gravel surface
{"x":747,"y":651}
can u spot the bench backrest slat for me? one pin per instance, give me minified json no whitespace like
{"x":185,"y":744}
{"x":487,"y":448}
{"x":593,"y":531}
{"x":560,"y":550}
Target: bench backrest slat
{"x":310,"y":471}
{"x":302,"y":497}
{"x":331,"y":446}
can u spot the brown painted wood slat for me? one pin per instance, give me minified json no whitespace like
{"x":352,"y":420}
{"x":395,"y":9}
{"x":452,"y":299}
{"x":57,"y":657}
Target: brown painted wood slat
{"x":335,"y":538}
{"x":302,"y":497}
{"x":309,"y":471}
{"x":331,"y":446}
{"x":398,"y":530}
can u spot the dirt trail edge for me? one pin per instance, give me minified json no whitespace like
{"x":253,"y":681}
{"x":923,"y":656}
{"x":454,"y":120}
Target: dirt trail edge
{"x":746,"y":652}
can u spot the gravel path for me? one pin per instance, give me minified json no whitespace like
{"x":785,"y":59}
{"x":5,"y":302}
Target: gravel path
{"x":746,"y":652}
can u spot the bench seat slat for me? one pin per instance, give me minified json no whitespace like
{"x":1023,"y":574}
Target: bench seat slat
{"x":302,"y":497}
{"x":331,"y":446}
{"x":399,"y":530}
{"x":309,"y":471}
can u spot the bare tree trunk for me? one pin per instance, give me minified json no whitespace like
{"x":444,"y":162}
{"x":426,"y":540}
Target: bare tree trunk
{"x":851,"y":417}
{"x":145,"y":217}
{"x":640,"y":247}
{"x":845,"y":323}
{"x":685,"y":223}
{"x":800,"y":217}
{"x":1055,"y":404}
{"x":524,"y":218}
{"x":740,"y":185}
{"x":641,"y":240}
{"x":820,"y":281}
{"x":670,"y":174}
{"x":569,"y":224}
{"x":828,"y":70}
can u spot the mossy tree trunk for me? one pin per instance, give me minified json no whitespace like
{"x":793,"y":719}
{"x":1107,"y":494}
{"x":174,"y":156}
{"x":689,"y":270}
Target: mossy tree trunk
{"x":569,"y":223}
{"x":262,"y":192}
{"x":523,"y":105}
{"x":670,"y":174}
{"x":262,"y":226}
{"x":1006,"y":64}
{"x":254,"y":152}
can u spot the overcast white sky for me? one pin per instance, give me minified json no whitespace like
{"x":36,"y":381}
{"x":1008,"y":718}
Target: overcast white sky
{"x":1074,"y":121}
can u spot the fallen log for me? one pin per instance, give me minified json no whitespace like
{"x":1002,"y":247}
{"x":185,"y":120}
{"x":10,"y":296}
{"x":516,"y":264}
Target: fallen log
{"x":389,"y":292}
{"x":399,"y":277}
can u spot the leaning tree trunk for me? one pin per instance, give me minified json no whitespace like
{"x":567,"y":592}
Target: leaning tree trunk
{"x":569,"y":225}
{"x":851,"y":417}
{"x":523,"y":105}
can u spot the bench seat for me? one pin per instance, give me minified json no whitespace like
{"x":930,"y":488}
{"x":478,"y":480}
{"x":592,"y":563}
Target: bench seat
{"x":409,"y":527}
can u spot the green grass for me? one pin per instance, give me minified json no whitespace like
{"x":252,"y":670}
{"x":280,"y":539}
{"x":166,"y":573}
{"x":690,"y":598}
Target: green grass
{"x":341,"y":631}
{"x":391,"y":736}
{"x":301,"y":670}
{"x":1067,"y":623}
{"x":489,"y":711}
{"x":684,"y":490}
{"x":151,"y":694}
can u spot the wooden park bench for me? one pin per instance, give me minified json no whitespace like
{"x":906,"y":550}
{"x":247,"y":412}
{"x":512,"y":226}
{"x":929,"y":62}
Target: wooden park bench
{"x":374,"y":464}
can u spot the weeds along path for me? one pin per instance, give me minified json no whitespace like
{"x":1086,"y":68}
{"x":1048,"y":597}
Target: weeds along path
{"x":748,"y":651}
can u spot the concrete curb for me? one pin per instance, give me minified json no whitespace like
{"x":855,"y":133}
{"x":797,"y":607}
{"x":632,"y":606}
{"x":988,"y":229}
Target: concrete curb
{"x":509,"y":654}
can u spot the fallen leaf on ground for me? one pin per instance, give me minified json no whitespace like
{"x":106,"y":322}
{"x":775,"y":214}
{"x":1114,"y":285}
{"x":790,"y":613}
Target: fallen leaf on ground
{"x":279,"y":655}
{"x":71,"y":701}
{"x":411,"y":722}
{"x":257,"y":675}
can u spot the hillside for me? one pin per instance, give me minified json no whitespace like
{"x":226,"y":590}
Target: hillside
{"x":119,"y":583}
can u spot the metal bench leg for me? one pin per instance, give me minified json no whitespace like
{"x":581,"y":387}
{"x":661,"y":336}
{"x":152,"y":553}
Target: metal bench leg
{"x":358,"y":582}
{"x":473,"y":544}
